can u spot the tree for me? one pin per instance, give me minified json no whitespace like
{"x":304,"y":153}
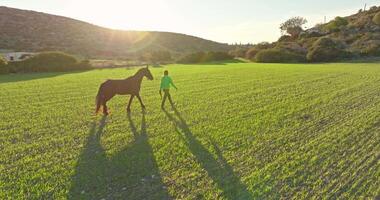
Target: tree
{"x":293,"y":26}
{"x":238,"y":52}
{"x":157,"y":56}
{"x":3,"y":66}
{"x":2,"y":62}
{"x":251,"y":53}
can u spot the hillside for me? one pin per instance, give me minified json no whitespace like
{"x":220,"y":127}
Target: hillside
{"x":352,"y":37}
{"x":23,"y":30}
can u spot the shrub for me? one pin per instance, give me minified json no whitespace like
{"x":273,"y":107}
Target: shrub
{"x":3,"y":66}
{"x":201,"y":57}
{"x":340,"y":21}
{"x":251,"y":53}
{"x":49,"y":62}
{"x":238,"y":52}
{"x":217,"y":56}
{"x":376,"y":19}
{"x":192,"y":58}
{"x":371,"y":50}
{"x":292,"y":47}
{"x":264,"y":45}
{"x":157,"y":56}
{"x":373,"y":9}
{"x":279,"y":56}
{"x":286,"y":38}
{"x":336,"y":24}
{"x":326,"y":49}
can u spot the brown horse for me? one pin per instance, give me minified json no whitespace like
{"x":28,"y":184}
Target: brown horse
{"x":130,"y":85}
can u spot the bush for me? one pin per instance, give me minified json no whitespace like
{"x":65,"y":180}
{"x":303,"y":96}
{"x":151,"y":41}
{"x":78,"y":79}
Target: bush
{"x":340,"y":21}
{"x":238,"y":52}
{"x":376,"y":19}
{"x":326,"y":49}
{"x":156,"y":56}
{"x":3,"y":66}
{"x":371,"y":50}
{"x":285,"y":38}
{"x":279,"y":56}
{"x":336,"y":24}
{"x":49,"y":62}
{"x":291,"y":47}
{"x":201,"y":57}
{"x":251,"y":53}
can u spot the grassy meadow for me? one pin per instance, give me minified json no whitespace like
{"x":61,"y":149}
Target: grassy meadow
{"x":238,"y":131}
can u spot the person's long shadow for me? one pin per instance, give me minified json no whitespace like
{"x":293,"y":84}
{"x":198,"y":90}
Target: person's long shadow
{"x":218,"y":169}
{"x":132,"y":173}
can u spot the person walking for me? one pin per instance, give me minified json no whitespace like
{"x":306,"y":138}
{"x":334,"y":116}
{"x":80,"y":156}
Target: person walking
{"x":166,"y":82}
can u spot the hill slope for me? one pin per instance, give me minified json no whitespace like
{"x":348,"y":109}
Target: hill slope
{"x":350,"y":37}
{"x":23,"y":30}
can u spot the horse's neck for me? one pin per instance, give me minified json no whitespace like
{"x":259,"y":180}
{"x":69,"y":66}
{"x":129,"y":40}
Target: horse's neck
{"x":138,"y":77}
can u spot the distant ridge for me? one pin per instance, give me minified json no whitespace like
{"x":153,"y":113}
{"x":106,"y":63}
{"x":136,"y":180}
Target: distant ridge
{"x":23,"y":30}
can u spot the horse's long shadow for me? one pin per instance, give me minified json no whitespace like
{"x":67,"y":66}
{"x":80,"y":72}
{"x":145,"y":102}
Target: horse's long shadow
{"x":10,"y":78}
{"x":131,"y":173}
{"x":218,"y":169}
{"x":90,"y":174}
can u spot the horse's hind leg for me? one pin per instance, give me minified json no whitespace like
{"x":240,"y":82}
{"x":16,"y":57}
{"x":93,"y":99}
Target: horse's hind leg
{"x":129,"y":103}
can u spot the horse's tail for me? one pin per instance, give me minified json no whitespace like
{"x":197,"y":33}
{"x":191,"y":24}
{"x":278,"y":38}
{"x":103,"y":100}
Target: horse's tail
{"x":98,"y":100}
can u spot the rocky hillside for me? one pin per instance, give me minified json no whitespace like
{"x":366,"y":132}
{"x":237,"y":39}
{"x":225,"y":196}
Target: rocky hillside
{"x":23,"y":30}
{"x":351,"y":37}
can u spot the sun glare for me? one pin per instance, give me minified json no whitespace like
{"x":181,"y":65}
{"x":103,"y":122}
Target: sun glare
{"x":131,"y":15}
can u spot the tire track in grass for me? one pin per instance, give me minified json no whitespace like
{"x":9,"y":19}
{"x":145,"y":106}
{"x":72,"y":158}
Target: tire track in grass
{"x":353,"y":136}
{"x":328,"y":167}
{"x":356,"y":156}
{"x":275,"y":108}
{"x":364,"y":147}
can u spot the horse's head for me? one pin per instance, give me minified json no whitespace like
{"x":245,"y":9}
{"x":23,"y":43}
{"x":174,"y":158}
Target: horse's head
{"x":146,"y":72}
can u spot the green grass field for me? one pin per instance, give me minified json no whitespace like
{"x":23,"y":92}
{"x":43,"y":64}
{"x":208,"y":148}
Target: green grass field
{"x":239,"y":131}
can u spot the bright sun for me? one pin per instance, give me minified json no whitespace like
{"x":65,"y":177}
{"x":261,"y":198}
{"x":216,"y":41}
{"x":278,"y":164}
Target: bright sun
{"x":125,"y":14}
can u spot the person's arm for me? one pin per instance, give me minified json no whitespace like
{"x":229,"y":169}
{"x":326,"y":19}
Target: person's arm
{"x":162,"y":84}
{"x":161,"y":87}
{"x":171,"y":82}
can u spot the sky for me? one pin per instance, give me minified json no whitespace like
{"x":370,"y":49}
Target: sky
{"x":227,"y":21}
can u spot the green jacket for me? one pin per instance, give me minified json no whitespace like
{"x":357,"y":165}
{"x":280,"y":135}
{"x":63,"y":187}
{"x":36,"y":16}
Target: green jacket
{"x":166,"y":81}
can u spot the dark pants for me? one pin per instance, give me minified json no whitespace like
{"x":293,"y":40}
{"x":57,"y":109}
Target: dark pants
{"x":166,"y":95}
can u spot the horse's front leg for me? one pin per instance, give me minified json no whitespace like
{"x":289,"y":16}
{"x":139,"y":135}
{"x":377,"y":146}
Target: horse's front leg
{"x":141,"y":102}
{"x":129,"y":104}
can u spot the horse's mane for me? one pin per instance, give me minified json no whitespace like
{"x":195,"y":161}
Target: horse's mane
{"x":135,"y":75}
{"x":139,"y":71}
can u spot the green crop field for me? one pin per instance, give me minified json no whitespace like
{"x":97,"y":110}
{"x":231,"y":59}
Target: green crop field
{"x":238,"y":131}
